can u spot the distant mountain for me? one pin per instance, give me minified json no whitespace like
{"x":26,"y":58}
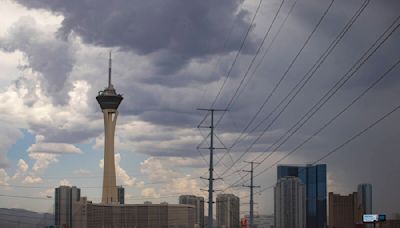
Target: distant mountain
{"x":20,"y":218}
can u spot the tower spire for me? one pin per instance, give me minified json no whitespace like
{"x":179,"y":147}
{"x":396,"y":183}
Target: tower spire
{"x":109,"y":71}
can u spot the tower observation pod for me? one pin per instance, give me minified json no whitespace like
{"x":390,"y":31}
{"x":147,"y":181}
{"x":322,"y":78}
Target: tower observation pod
{"x":109,"y":101}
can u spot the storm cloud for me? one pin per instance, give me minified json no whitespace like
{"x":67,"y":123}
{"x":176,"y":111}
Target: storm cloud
{"x":173,"y":32}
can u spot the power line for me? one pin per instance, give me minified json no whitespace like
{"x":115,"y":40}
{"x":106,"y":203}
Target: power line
{"x":204,"y":140}
{"x":237,"y":53}
{"x":256,"y":68}
{"x":287,"y":70}
{"x":226,"y":40}
{"x":269,"y":46}
{"x":305,"y":79}
{"x":251,"y":62}
{"x":312,"y":70}
{"x":354,"y":137}
{"x":376,"y":82}
{"x":350,"y":73}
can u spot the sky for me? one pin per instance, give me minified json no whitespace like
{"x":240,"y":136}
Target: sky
{"x":170,"y":58}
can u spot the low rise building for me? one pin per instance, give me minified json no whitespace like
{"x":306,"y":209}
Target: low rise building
{"x":93,"y":215}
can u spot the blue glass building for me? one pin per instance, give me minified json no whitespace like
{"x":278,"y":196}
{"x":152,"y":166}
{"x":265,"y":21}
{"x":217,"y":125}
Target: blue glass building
{"x":314,"y":177}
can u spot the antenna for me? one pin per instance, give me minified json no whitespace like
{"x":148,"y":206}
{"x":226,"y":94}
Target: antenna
{"x":109,"y":72}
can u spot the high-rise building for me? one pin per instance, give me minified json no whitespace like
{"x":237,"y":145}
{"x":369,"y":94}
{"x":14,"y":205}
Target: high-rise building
{"x":365,"y":198}
{"x":364,"y":201}
{"x":109,"y":101}
{"x":290,"y":203}
{"x":121,"y":194}
{"x":228,"y":211}
{"x":342,"y":210}
{"x":63,"y":200}
{"x":314,"y":178}
{"x":198,"y":203}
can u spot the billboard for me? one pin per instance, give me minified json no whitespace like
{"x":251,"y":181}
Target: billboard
{"x":371,"y":218}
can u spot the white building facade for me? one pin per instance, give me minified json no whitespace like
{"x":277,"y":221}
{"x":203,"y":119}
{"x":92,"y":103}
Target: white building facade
{"x":228,"y":211}
{"x":290,"y":203}
{"x":198,"y":203}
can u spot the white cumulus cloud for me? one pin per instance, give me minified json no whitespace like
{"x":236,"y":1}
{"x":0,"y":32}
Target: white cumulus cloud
{"x":22,"y":169}
{"x":167,"y":170}
{"x":121,"y":174}
{"x":32,"y":180}
{"x":149,"y":193}
{"x":64,"y":182}
{"x":54,"y":148}
{"x":4,"y":178}
{"x":42,"y":161}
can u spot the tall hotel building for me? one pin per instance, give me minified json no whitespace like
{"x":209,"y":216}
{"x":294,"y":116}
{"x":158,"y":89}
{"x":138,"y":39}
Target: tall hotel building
{"x":290,"y":203}
{"x":228,"y":211}
{"x":347,"y":211}
{"x":364,"y":201}
{"x":342,"y":210}
{"x":64,"y":198}
{"x":198,"y":203}
{"x":314,"y":179}
{"x":121,"y":194}
{"x":365,"y":198}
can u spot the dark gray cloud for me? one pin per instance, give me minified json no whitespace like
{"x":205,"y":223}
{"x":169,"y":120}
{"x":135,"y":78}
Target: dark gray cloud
{"x":173,"y":31}
{"x":166,"y":106}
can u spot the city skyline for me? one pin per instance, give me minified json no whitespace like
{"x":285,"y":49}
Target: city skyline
{"x":53,"y":62}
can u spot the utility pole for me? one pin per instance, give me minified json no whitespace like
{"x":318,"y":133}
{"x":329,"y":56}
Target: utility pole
{"x":251,"y":186}
{"x":211,"y":165}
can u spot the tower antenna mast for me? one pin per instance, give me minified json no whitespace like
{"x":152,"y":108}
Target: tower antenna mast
{"x":109,"y":71}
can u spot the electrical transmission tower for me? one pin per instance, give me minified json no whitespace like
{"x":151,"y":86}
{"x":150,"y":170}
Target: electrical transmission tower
{"x":211,"y":165}
{"x":251,"y":186}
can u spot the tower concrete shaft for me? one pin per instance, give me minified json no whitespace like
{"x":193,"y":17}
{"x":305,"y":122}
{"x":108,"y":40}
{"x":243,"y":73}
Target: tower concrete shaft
{"x":110,"y":194}
{"x":109,"y":101}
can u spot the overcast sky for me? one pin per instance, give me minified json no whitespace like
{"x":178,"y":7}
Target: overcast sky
{"x":171,"y":57}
